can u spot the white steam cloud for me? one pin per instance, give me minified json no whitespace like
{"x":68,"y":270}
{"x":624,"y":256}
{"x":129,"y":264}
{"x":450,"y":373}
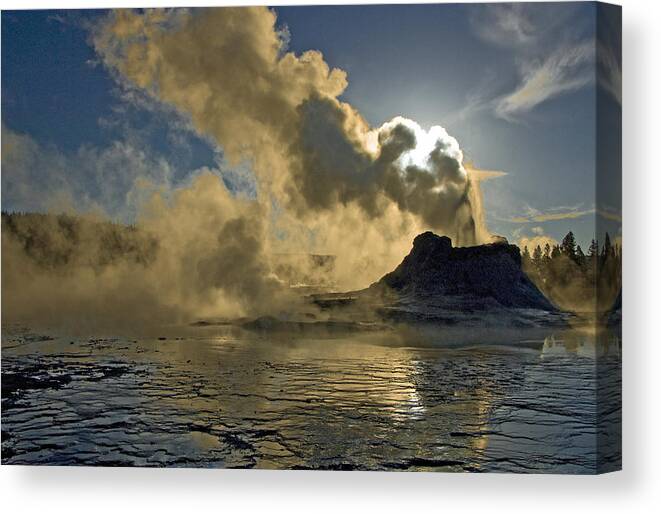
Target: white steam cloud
{"x":327,"y":182}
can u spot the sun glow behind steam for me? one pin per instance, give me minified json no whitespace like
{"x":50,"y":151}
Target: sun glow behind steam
{"x":326,"y":181}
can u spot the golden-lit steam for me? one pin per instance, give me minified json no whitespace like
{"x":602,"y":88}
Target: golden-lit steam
{"x":327,"y":182}
{"x":201,"y":254}
{"x":312,"y":153}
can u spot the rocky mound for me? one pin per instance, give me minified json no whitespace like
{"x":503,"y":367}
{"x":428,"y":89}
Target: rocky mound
{"x":480,"y":276}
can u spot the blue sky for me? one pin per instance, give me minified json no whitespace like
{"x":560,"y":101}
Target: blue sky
{"x":515,"y":84}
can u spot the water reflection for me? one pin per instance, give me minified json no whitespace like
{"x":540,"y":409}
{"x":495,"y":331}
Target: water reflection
{"x":586,"y":344}
{"x":229,"y":399}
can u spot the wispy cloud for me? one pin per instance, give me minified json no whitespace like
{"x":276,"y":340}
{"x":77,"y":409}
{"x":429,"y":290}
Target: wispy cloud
{"x":610,"y":71}
{"x":551,"y":57}
{"x":562,"y":213}
{"x":566,"y":69}
{"x":57,"y":18}
{"x":504,"y":24}
{"x":609,"y":214}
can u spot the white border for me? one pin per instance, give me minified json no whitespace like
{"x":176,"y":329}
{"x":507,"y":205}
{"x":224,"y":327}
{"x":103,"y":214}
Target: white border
{"x":636,"y":489}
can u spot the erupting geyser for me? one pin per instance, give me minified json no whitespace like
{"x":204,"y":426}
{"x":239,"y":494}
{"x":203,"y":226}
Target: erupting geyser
{"x":327,"y":182}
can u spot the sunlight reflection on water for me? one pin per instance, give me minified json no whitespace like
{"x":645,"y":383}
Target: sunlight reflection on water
{"x":219,"y":400}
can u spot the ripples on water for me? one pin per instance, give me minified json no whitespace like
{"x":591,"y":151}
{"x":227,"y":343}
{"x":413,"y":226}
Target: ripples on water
{"x":243,"y":402}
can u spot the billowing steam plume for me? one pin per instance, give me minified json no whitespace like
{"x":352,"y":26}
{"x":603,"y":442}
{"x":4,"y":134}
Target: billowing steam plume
{"x":326,"y":181}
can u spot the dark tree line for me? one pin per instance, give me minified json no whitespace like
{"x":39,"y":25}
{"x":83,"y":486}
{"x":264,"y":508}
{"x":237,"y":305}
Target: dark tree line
{"x":58,"y":241}
{"x":574,"y":279}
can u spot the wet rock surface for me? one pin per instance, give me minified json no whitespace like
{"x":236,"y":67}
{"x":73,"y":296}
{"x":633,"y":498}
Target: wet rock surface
{"x":479,"y":286}
{"x":491,"y":271}
{"x":217,"y":400}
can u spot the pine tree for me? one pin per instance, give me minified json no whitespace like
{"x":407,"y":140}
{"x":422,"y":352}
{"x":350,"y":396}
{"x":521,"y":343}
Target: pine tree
{"x":568,"y":245}
{"x":526,"y":254}
{"x":580,"y":257}
{"x":607,"y":249}
{"x":593,"y":250}
{"x":537,"y":257}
